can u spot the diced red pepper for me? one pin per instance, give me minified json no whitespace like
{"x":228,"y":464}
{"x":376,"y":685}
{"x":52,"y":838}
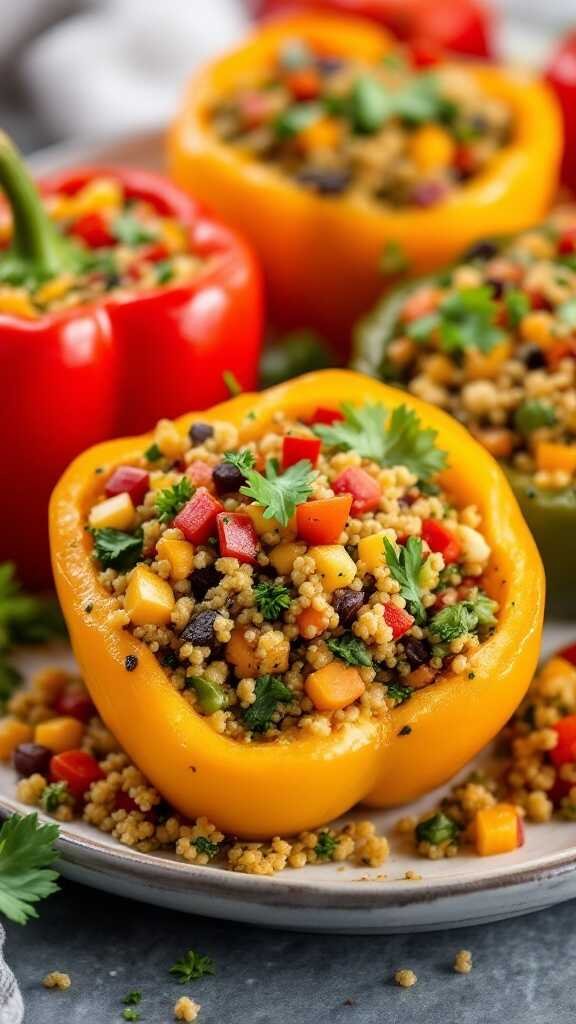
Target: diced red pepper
{"x":294,"y":449}
{"x":565,"y":750}
{"x":304,"y":83}
{"x":94,"y":231}
{"x":567,"y":241}
{"x":365,"y":490}
{"x":568,"y":653}
{"x":197,"y":519}
{"x":155,"y":252}
{"x":75,"y":705}
{"x":77,"y":768}
{"x":425,"y":53}
{"x":440,"y":538}
{"x":421,"y":303}
{"x":130,"y":479}
{"x":237,"y":537}
{"x":200,"y":473}
{"x":398,"y":619}
{"x":124,"y":802}
{"x":322,"y":521}
{"x":327,"y":416}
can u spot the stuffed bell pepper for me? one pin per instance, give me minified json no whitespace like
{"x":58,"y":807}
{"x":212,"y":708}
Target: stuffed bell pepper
{"x":307,"y":601}
{"x":120,"y":301}
{"x":347,"y":166}
{"x":492,"y":341}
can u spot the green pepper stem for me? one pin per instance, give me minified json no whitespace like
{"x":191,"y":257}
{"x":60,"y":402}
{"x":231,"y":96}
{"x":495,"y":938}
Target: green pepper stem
{"x":35,"y":239}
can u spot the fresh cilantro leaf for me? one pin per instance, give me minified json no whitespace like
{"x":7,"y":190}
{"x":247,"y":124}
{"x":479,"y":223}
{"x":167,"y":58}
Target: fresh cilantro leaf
{"x":517,"y":306}
{"x":405,"y":565}
{"x":204,"y":845}
{"x":370,"y":104}
{"x":566,"y":312}
{"x":326,"y":846}
{"x":400,"y":442}
{"x":453,"y":621}
{"x":132,"y":998}
{"x":437,"y":829}
{"x":269,"y":691}
{"x":399,"y":693}
{"x":349,"y":649}
{"x":296,"y":118}
{"x":172,"y":499}
{"x":131,"y":1014}
{"x":242,"y":460}
{"x":532,"y":415}
{"x":115,"y":549}
{"x":271,"y":599}
{"x":55,"y":794}
{"x":394,"y":258}
{"x":232,"y":383}
{"x":131,"y":231}
{"x":278,"y":494}
{"x":153,"y":453}
{"x":26,"y":853}
{"x":192,"y":966}
{"x":467,"y":321}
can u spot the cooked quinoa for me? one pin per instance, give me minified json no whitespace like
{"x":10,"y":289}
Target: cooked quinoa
{"x":405,"y":978}
{"x":400,"y":135}
{"x":492,"y":341}
{"x":314,"y":577}
{"x":463,"y":961}
{"x":186,"y":1009}
{"x":124,"y":245}
{"x":58,"y":980}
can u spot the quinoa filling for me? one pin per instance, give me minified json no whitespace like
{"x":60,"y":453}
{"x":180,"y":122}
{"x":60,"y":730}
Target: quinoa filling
{"x":492,"y":340}
{"x":315,"y":576}
{"x":398,"y":134}
{"x":125,"y":244}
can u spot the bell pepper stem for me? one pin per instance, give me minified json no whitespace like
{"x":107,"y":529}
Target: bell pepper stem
{"x":36,"y":242}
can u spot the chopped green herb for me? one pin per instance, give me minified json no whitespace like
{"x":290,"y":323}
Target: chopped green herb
{"x":295,"y":119}
{"x":437,"y":829}
{"x":278,"y":494}
{"x":292,"y":354}
{"x":517,"y":306}
{"x":211,"y":696}
{"x":326,"y":846}
{"x":164,"y":271}
{"x":55,"y":794}
{"x":452,"y":622}
{"x":566,"y":312}
{"x":116,"y":549}
{"x":532,"y":415}
{"x":242,"y":460}
{"x":232,"y":383}
{"x":132,"y":999}
{"x":204,"y":845}
{"x":153,"y":453}
{"x":405,"y":565}
{"x":402,"y":441}
{"x":465,"y":320}
{"x":131,"y":231}
{"x":172,"y":499}
{"x":271,"y":599}
{"x":370,"y":104}
{"x":26,"y":853}
{"x":269,"y":692}
{"x":394,"y":258}
{"x":192,"y":966}
{"x":131,"y":1014}
{"x":399,"y":693}
{"x":349,"y":649}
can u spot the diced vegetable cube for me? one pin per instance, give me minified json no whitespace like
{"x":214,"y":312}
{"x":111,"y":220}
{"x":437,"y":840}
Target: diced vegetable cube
{"x":371,"y":550}
{"x":135,"y":482}
{"x":180,"y":554}
{"x":399,"y":620}
{"x":197,"y":519}
{"x":117,"y":513}
{"x":498,"y":829}
{"x":565,"y":750}
{"x":200,"y":474}
{"x":334,"y":686}
{"x":334,"y":565}
{"x":284,"y":555}
{"x":237,"y":537}
{"x":311,"y":623}
{"x":240,"y":654}
{"x":442,"y":539}
{"x":261,"y":524}
{"x":77,"y":768}
{"x":75,"y":705}
{"x":294,"y":449}
{"x":322,"y":521}
{"x":149,"y":599}
{"x":59,"y":734}
{"x":365,"y":490}
{"x":551,"y":455}
{"x":12,"y":734}
{"x":328,"y":416}
{"x":168,"y":438}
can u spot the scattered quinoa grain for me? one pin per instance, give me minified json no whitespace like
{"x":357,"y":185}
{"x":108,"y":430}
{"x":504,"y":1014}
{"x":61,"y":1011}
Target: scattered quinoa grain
{"x":186,"y":1009}
{"x":57,"y":979}
{"x":405,"y":978}
{"x":463,"y":961}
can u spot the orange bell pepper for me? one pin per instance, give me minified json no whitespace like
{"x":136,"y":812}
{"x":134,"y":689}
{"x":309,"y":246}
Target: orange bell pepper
{"x":321,"y":255}
{"x":263,"y":789}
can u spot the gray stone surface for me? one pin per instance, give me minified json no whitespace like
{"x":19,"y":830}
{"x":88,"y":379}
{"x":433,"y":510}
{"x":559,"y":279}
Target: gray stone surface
{"x":524,"y":970}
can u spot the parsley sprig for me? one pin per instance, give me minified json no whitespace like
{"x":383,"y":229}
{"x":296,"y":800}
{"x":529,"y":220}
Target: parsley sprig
{"x":271,"y":599}
{"x":172,"y":499}
{"x":269,"y":692}
{"x":26,"y":854}
{"x":326,"y":846}
{"x":116,"y":549}
{"x":349,"y":649}
{"x":465,"y":320}
{"x":278,"y":493}
{"x":463,"y":617}
{"x":398,"y":440}
{"x":192,"y":966}
{"x":405,"y":565}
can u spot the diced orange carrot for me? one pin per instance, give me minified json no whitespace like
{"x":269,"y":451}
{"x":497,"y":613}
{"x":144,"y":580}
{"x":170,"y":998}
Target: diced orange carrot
{"x":334,"y":686}
{"x":420,"y":677}
{"x":324,"y":134}
{"x":482,"y":365}
{"x":551,"y":455}
{"x":304,"y":83}
{"x":322,"y":521}
{"x":498,"y":829}
{"x":498,"y":441}
{"x":431,"y":148}
{"x":241,"y":655}
{"x":311,"y":623}
{"x":424,"y":301}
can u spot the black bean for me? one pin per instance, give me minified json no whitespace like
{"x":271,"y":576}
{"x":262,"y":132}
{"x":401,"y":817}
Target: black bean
{"x":532,"y":356}
{"x":200,"y":432}
{"x":496,"y":286}
{"x":130,"y":662}
{"x":29,"y":758}
{"x":347,"y":603}
{"x":329,"y":181}
{"x":485,"y":250}
{"x":200,"y":629}
{"x":227,"y":478}
{"x":417,"y":652}
{"x":202,"y":580}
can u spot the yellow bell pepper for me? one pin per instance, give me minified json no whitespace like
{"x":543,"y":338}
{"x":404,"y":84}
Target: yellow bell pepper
{"x":322,"y":255}
{"x":263,"y":789}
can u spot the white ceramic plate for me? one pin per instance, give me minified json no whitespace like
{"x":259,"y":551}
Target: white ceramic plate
{"x":466,"y":890}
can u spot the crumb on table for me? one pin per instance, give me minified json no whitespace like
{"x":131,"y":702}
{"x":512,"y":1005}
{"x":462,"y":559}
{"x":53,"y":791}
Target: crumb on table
{"x":57,"y":979}
{"x":186,"y":1009}
{"x":463,"y":961}
{"x":405,"y":978}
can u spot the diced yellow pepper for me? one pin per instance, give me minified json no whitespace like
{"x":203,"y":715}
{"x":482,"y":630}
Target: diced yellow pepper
{"x":486,"y":365}
{"x":428,"y":575}
{"x":334,"y":686}
{"x":241,"y":655}
{"x":12,"y":734}
{"x":180,"y":554}
{"x":59,"y":734}
{"x":256,"y":513}
{"x":99,"y":194}
{"x":169,"y":439}
{"x":334,"y":565}
{"x":149,"y":599}
{"x":498,"y":829}
{"x":371,"y":551}
{"x":160,"y":481}
{"x":54,"y":289}
{"x":284,"y":555}
{"x":552,"y":455}
{"x":174,"y":235}
{"x":324,"y":134}
{"x":431,"y":148}
{"x":15,"y":301}
{"x":118,"y":513}
{"x":555,"y":669}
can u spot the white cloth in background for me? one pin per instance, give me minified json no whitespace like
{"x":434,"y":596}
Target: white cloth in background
{"x":11,"y":1006}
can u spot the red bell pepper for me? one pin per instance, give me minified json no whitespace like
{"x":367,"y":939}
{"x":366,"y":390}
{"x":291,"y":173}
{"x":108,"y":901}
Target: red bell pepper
{"x":294,"y":449}
{"x":561,"y":75}
{"x":131,"y":480}
{"x":197,"y":519}
{"x":77,"y":768}
{"x":565,"y":750}
{"x":322,"y":521}
{"x":75,"y":705}
{"x":84,"y":374}
{"x":440,"y":538}
{"x":459,"y":26}
{"x":364,"y":489}
{"x":398,"y":619}
{"x":328,"y":416}
{"x":568,"y":653}
{"x":237,"y":537}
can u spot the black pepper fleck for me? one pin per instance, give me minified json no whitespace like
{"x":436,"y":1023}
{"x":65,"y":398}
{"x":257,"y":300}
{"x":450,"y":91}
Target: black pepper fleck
{"x":88,"y":608}
{"x":130,"y":662}
{"x":405,"y":730}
